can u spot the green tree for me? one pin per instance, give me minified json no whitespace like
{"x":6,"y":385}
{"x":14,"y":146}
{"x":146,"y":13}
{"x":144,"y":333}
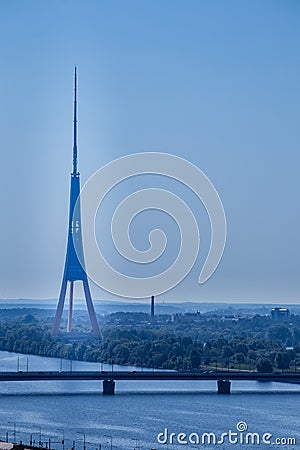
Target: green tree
{"x":264,"y":366}
{"x":282,"y":360}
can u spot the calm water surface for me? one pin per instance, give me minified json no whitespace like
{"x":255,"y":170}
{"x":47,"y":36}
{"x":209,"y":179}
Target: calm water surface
{"x":140,"y":411}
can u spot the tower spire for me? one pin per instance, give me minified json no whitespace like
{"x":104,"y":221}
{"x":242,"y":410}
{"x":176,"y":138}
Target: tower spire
{"x":75,"y":125}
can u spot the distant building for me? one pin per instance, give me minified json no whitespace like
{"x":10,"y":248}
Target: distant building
{"x":279,"y":314}
{"x":6,"y":445}
{"x":15,"y":446}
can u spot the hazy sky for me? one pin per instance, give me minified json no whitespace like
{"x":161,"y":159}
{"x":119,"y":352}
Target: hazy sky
{"x":216,"y":82}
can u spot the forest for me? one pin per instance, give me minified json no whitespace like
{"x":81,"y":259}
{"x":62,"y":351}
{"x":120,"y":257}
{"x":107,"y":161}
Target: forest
{"x":181,"y":342}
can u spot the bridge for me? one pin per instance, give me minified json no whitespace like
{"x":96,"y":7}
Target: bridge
{"x":108,"y":378}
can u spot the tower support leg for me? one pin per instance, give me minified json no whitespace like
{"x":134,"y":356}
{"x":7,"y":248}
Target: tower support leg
{"x":60,"y":308}
{"x":224,"y":387}
{"x":70,"y":312}
{"x":108,"y":387}
{"x":91,"y":310}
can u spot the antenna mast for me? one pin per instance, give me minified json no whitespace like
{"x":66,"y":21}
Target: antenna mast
{"x":75,"y":125}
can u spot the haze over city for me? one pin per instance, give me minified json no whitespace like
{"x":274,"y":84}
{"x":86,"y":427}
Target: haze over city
{"x":215,"y":83}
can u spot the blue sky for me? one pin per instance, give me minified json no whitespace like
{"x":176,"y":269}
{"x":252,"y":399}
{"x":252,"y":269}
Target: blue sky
{"x":211,"y":81}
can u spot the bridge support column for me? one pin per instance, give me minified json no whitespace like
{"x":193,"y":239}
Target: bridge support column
{"x":224,"y":387}
{"x":108,"y":387}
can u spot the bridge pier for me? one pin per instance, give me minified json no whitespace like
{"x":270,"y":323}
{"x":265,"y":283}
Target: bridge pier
{"x":108,"y":387}
{"x":224,"y":386}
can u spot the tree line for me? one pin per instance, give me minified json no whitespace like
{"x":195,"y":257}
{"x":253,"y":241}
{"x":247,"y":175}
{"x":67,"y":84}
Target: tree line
{"x":210,"y":345}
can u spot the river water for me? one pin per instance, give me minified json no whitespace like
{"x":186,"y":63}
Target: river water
{"x":140,"y":411}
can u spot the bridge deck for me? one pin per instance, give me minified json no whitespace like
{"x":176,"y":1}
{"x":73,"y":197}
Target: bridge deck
{"x":149,"y":375}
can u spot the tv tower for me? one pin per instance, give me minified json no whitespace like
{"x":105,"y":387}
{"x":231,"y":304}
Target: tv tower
{"x":73,"y":270}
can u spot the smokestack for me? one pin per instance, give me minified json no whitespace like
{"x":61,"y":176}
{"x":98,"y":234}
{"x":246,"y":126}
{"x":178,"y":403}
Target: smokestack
{"x":152,"y":306}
